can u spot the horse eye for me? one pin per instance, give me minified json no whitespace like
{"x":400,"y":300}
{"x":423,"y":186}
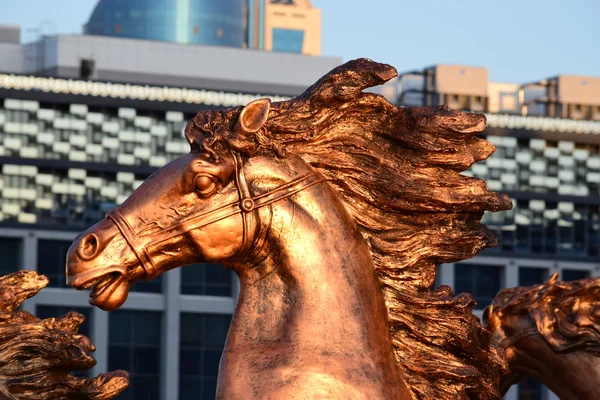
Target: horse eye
{"x":205,"y":185}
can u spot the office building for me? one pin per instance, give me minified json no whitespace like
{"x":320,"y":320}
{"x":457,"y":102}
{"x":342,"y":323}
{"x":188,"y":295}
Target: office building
{"x":84,"y":119}
{"x":547,"y":159}
{"x":269,"y":25}
{"x":284,"y":26}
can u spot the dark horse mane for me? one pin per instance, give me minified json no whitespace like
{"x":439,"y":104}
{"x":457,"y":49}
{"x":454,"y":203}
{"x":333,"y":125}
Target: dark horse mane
{"x":566,"y":314}
{"x":398,"y":172}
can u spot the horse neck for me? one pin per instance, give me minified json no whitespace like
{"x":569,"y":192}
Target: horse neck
{"x":316,"y":290}
{"x":570,"y":375}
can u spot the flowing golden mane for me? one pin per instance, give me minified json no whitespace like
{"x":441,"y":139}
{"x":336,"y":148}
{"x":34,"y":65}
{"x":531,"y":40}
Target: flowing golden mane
{"x":566,"y":314}
{"x":398,"y":172}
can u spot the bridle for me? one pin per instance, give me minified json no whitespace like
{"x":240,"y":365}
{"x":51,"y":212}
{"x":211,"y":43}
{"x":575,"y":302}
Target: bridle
{"x":144,"y":237}
{"x":510,"y":341}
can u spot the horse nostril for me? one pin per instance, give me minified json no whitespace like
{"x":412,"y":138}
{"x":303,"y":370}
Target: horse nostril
{"x":88,"y":248}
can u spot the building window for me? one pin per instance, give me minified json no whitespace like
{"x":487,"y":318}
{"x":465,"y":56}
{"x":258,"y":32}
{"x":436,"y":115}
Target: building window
{"x":45,"y":312}
{"x":574,"y":274}
{"x":134,"y":345}
{"x":482,"y":281}
{"x":288,"y":40}
{"x":202,"y":340}
{"x":530,"y":389}
{"x":532,"y":276}
{"x":151,"y":286}
{"x":10,"y":248}
{"x":206,"y":279}
{"x":51,"y":260}
{"x":438,"y":276}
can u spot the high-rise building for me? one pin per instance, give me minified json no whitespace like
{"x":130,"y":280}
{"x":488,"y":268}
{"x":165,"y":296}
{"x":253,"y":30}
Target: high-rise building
{"x":271,"y":25}
{"x":547,"y":159}
{"x":208,"y":22}
{"x":84,"y":119}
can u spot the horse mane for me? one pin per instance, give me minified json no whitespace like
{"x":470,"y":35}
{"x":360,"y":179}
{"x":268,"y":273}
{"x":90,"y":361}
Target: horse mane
{"x":37,"y":356}
{"x":397,"y":170}
{"x":566,"y":314}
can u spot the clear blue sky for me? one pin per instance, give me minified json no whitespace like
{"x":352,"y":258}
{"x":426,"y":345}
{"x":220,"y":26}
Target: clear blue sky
{"x":518,"y":40}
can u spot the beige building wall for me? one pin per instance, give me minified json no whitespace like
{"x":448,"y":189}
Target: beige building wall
{"x":301,"y":16}
{"x":503,"y":97}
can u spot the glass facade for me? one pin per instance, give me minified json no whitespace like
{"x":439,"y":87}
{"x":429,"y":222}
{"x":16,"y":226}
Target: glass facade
{"x":134,"y":345}
{"x":482,"y":281}
{"x":530,"y":389}
{"x":541,"y":166}
{"x":288,"y":40}
{"x":51,"y":258}
{"x":202,"y":340}
{"x":553,"y":184}
{"x":62,"y":190}
{"x":183,"y":21}
{"x":206,"y":279}
{"x":574,"y":274}
{"x":11,"y":251}
{"x":532,"y":276}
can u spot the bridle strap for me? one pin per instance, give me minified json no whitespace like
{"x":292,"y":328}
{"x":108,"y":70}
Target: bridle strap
{"x":247,"y":205}
{"x":512,"y":340}
{"x":139,"y":243}
{"x":132,"y":240}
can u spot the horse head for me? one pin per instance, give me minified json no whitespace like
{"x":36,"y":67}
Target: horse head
{"x":198,"y":208}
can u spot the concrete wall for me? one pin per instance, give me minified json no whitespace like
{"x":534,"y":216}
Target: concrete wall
{"x":208,"y":67}
{"x":12,"y":58}
{"x":304,"y":18}
{"x":10,"y":34}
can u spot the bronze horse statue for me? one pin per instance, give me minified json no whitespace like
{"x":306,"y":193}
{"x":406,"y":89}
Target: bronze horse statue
{"x":550,"y":332}
{"x":333,"y":208}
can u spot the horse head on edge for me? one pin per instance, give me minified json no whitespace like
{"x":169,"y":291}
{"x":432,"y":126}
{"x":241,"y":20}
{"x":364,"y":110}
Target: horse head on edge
{"x":550,"y":332}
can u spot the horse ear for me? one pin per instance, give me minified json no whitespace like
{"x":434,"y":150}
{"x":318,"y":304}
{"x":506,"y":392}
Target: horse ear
{"x":253,"y":116}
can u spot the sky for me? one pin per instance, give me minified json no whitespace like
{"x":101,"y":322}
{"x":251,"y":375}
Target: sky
{"x":517,"y":40}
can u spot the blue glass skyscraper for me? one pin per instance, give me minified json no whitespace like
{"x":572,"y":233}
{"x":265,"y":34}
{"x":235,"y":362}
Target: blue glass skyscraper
{"x":221,"y":22}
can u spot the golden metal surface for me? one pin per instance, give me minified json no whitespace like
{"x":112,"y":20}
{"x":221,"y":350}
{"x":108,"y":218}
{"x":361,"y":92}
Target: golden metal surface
{"x":550,"y":332}
{"x":37,"y":356}
{"x":333,"y":209}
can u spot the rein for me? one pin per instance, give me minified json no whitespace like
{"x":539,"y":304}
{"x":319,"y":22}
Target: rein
{"x":245,"y":205}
